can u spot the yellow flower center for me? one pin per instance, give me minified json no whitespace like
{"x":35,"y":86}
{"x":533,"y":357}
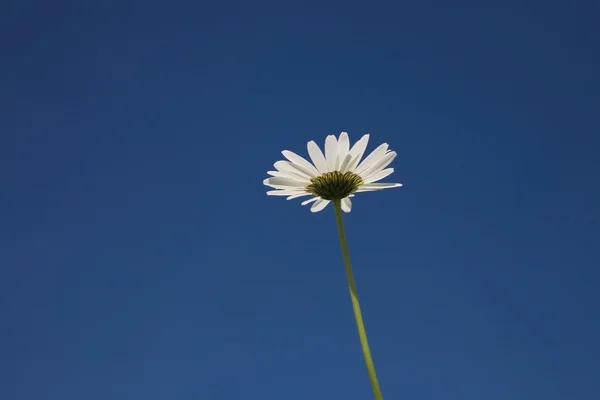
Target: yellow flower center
{"x":334,"y":185}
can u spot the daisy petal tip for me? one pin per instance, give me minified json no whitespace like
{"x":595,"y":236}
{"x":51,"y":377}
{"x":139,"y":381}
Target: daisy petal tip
{"x":319,"y":205}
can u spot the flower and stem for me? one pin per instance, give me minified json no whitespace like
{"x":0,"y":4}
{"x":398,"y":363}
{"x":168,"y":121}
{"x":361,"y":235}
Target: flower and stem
{"x":334,"y":177}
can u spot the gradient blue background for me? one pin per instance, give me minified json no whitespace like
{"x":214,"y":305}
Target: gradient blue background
{"x":141,"y":259}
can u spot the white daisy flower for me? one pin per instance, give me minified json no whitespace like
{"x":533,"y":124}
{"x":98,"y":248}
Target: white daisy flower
{"x":335,"y":175}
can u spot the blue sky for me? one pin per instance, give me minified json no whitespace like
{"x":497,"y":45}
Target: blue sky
{"x":141,"y":259}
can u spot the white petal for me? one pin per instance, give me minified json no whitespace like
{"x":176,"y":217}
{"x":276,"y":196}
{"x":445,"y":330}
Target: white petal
{"x":295,"y":196}
{"x":346,"y":204}
{"x":372,"y":158}
{"x":283,"y":181}
{"x":294,"y":170}
{"x":379,"y":175}
{"x":305,"y":202}
{"x":296,"y":178}
{"x":319,"y":205}
{"x":346,"y":162}
{"x":371,"y":187}
{"x":317,"y":157}
{"x":357,"y":152}
{"x":285,"y":175}
{"x":343,"y":146}
{"x":301,"y":161}
{"x":280,"y":187}
{"x":331,"y":152}
{"x":379,"y":164}
{"x":284,"y":192}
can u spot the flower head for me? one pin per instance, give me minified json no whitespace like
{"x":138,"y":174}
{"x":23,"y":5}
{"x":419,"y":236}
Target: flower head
{"x":335,"y":175}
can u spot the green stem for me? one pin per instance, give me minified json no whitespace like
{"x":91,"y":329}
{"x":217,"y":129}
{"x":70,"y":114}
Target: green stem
{"x":362,"y":333}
